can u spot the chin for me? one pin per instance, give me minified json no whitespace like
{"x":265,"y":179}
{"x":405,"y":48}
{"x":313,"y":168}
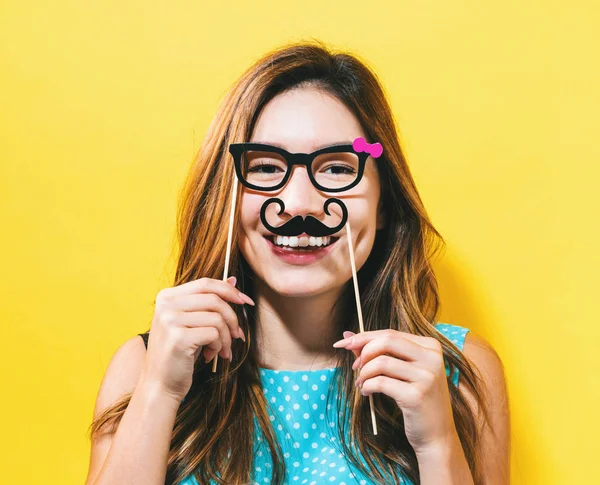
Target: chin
{"x":298,"y":285}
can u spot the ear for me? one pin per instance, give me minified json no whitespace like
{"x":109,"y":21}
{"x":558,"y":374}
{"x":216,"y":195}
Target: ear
{"x":381,"y":216}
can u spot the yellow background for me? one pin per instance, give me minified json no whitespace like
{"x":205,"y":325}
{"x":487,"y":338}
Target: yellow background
{"x":103,"y":104}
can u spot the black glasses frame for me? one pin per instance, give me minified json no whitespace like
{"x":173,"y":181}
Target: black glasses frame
{"x":304,"y":159}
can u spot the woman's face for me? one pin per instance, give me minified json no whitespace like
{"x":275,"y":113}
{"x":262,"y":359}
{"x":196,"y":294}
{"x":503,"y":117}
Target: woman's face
{"x":304,"y":120}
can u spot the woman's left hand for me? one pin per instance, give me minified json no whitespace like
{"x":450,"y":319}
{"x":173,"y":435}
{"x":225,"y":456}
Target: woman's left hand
{"x":409,"y":369}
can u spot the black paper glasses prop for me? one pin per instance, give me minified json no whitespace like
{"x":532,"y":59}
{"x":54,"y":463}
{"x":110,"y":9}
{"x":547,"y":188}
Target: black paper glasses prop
{"x":267,"y":168}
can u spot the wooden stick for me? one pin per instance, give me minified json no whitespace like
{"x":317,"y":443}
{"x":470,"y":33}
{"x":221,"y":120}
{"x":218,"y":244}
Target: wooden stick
{"x":359,"y":310}
{"x":229,"y":237}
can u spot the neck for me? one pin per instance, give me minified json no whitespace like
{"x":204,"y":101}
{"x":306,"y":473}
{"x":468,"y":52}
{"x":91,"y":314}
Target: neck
{"x":296,"y":333}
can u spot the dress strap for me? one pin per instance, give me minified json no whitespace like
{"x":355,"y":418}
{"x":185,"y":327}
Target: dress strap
{"x":145,"y":338}
{"x":457,"y":335}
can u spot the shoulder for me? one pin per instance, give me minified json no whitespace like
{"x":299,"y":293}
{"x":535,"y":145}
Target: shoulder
{"x":122,"y":373}
{"x":495,"y":440}
{"x":487,"y":363}
{"x":121,"y":377}
{"x":485,"y":358}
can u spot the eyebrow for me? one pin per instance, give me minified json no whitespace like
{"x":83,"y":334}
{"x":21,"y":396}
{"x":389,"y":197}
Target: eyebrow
{"x":278,"y":145}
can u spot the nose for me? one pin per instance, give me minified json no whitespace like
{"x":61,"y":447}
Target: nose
{"x":300,"y":196}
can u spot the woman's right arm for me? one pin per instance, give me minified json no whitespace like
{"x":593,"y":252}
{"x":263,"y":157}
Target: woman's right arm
{"x":190,"y":319}
{"x":138,"y":451}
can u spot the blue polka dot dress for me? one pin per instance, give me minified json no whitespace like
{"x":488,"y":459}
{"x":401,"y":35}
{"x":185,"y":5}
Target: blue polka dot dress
{"x":305,"y":425}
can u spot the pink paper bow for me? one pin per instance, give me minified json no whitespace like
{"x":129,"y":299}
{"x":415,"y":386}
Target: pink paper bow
{"x":373,"y":149}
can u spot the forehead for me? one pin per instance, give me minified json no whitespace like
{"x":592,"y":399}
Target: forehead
{"x":304,"y":120}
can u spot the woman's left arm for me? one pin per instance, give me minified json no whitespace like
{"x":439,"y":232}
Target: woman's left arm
{"x":495,"y":446}
{"x":410,"y":369}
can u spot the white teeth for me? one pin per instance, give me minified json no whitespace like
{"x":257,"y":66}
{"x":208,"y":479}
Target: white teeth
{"x":303,"y":241}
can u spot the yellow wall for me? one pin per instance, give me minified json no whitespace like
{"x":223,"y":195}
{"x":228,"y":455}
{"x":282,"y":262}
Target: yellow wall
{"x":102,"y":105}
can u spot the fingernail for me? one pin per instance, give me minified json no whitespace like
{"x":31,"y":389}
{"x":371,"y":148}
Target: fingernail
{"x":232,"y":280}
{"x":242,"y":336}
{"x":246,"y":298}
{"x":348,"y":334}
{"x":342,"y":343}
{"x":356,"y":363}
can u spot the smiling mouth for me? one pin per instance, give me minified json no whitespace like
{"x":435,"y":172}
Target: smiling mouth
{"x":302,"y":243}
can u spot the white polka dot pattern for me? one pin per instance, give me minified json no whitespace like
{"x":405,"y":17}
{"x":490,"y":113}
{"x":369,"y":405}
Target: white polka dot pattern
{"x":305,"y":425}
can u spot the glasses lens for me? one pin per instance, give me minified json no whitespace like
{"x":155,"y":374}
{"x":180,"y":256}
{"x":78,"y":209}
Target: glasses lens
{"x":335,"y":170}
{"x":264,"y":169}
{"x":330,"y":170}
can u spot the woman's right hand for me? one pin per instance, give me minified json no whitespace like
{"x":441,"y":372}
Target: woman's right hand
{"x":189,"y":319}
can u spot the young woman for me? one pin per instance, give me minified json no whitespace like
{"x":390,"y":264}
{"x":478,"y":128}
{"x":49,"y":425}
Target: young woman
{"x":288,"y":401}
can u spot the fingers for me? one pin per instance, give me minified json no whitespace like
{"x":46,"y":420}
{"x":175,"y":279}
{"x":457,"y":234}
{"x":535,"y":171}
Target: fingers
{"x":210,"y":341}
{"x":391,"y":367}
{"x":403,"y":347}
{"x":428,"y":351}
{"x":368,"y":345}
{"x":203,"y":320}
{"x":209,"y":285}
{"x":404,"y":393}
{"x":347,"y":334}
{"x":209,"y":303}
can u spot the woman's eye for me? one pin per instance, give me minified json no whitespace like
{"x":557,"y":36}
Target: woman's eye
{"x":264,"y":168}
{"x":340,"y":169}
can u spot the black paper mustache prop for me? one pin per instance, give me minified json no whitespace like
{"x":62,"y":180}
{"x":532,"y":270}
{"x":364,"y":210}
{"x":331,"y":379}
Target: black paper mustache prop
{"x":298,"y":224}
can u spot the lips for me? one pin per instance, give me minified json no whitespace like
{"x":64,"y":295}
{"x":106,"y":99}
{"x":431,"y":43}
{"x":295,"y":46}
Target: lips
{"x":300,"y":256}
{"x":302,"y":242}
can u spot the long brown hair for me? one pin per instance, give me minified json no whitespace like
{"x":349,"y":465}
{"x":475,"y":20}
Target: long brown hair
{"x":397,"y":285}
